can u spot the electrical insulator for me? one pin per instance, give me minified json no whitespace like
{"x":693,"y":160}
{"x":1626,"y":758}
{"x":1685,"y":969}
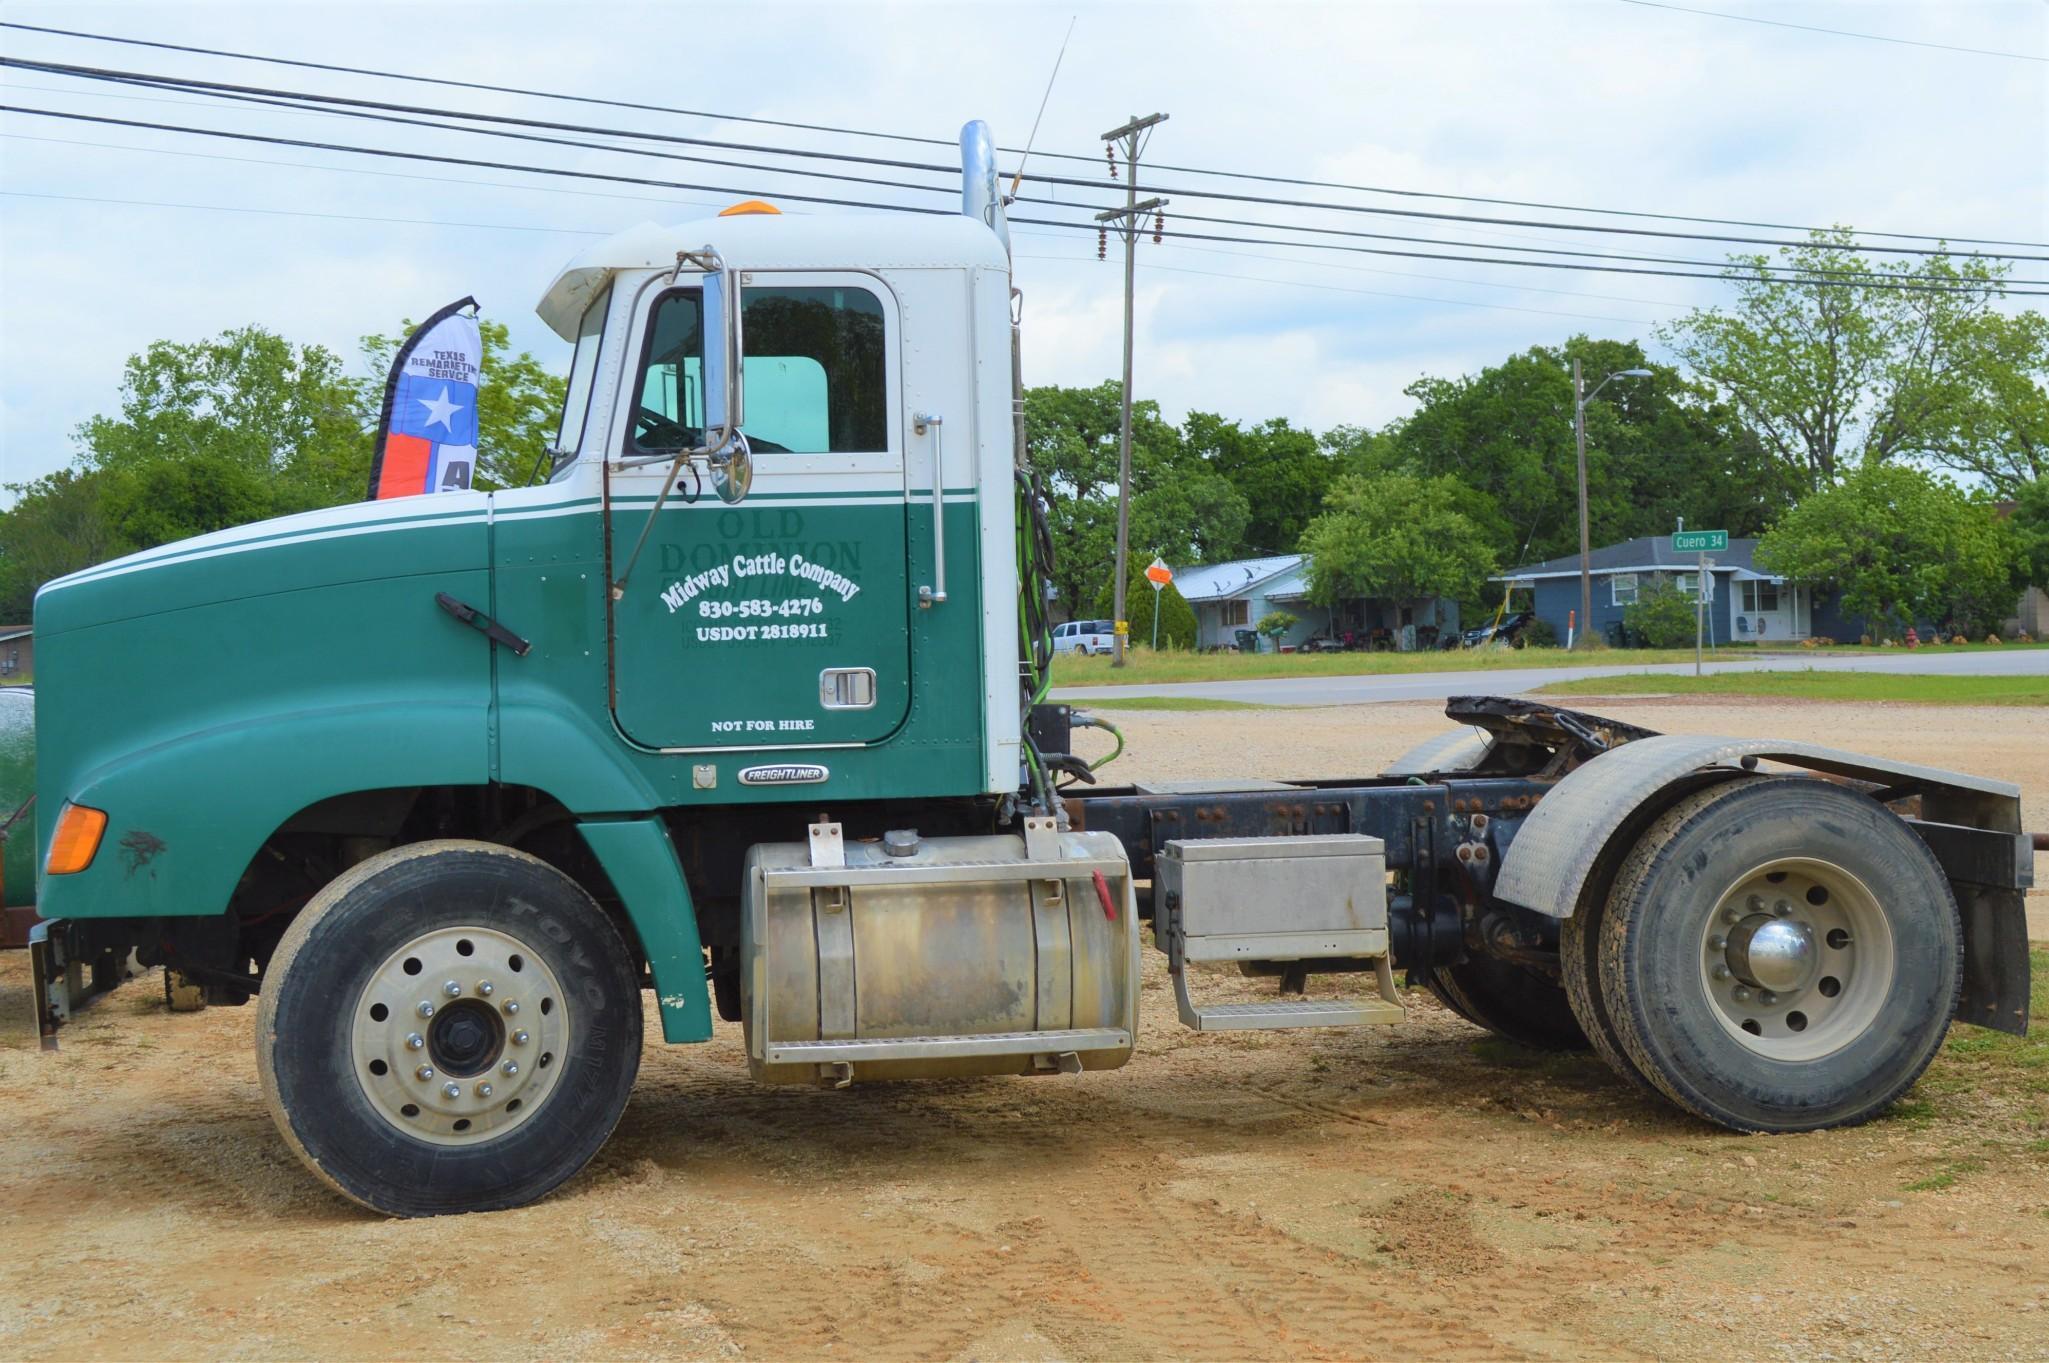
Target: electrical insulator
{"x":1102,"y":243}
{"x":1110,"y":155}
{"x":1159,"y":226}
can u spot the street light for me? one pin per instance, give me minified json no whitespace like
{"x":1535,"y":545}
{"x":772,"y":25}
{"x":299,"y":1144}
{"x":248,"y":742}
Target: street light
{"x":1580,"y":398}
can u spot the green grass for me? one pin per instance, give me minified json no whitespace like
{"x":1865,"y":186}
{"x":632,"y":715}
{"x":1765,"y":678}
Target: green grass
{"x":1147,"y":667}
{"x":1171,"y":703}
{"x":1914,"y":688}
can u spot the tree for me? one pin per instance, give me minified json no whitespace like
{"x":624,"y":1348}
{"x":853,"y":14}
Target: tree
{"x":1832,"y":364}
{"x":1177,"y":617}
{"x":283,"y":414}
{"x":1658,"y":449}
{"x":56,"y":526}
{"x":1280,"y":472}
{"x":2001,"y":428}
{"x":1180,"y":508}
{"x":2031,"y":531}
{"x":1900,"y":545}
{"x":519,"y":404}
{"x":1399,"y":537}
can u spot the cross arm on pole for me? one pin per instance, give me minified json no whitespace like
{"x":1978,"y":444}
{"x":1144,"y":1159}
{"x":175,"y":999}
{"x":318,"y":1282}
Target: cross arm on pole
{"x":1135,"y":126}
{"x":1137,"y":210}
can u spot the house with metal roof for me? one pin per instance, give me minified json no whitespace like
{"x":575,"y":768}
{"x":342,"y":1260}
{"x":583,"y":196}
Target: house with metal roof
{"x":1236,"y":596}
{"x":1745,"y":603}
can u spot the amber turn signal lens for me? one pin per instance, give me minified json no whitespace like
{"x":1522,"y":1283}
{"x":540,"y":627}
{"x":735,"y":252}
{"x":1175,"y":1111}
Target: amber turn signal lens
{"x":77,"y":838}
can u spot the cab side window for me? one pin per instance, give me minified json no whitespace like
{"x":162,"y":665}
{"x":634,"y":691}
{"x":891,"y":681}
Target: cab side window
{"x":668,"y":412}
{"x":816,"y":371}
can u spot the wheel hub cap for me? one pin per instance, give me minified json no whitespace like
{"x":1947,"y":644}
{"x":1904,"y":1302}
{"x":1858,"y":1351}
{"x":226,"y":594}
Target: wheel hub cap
{"x":1796,"y":958}
{"x":491,"y":1018}
{"x":1772,"y":953}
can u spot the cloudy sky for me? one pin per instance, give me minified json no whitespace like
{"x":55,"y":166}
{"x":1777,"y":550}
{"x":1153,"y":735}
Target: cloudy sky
{"x":111,"y":237}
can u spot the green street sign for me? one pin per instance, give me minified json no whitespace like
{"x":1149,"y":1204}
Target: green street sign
{"x":1699,"y":541}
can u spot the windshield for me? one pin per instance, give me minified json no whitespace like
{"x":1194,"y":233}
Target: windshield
{"x":583,"y":367}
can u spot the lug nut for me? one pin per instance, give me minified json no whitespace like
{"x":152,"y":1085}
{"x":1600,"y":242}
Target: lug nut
{"x":483,"y":989}
{"x":424,"y":1074}
{"x":1742,"y":995}
{"x":1719,"y":942}
{"x":414,"y":1041}
{"x":1732,"y":914}
{"x":483,"y":1090}
{"x":511,"y":1007}
{"x":425,"y":1010}
{"x":510,"y":1067}
{"x":519,"y":1038}
{"x":452,"y":989}
{"x":1784,"y":908}
{"x":1756,"y":903}
{"x":451,"y":1090}
{"x":1767,"y":997}
{"x":1720,"y":972}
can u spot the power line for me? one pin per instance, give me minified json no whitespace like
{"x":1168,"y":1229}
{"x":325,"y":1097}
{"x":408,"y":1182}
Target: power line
{"x":304,"y":213}
{"x":605,"y":177}
{"x":1373,"y":293}
{"x":1838,"y":32}
{"x":364,"y":170}
{"x":528,"y":92}
{"x":371,"y":112}
{"x":300,"y":99}
{"x":713,"y":203}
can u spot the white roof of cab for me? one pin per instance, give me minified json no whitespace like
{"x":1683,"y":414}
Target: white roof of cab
{"x":771,"y":241}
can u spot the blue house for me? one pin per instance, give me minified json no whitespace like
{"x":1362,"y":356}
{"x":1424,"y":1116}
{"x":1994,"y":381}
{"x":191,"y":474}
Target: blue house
{"x":1234,"y":596}
{"x":1745,"y":603}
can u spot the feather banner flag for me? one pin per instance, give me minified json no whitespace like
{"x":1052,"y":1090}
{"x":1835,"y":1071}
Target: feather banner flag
{"x":427,"y":433}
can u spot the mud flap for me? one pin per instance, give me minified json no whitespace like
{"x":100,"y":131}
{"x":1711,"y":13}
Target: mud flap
{"x":1995,"y":992}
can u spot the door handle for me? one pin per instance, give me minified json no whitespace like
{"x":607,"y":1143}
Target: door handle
{"x":936,"y":593}
{"x":483,"y":623}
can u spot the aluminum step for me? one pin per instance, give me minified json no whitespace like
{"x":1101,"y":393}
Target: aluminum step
{"x":1243,"y":1017}
{"x":1383,"y":1007}
{"x":1050,"y":1043}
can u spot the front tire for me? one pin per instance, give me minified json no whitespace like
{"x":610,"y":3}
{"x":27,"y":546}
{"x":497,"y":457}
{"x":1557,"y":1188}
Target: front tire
{"x":449,"y":1027}
{"x":1781,"y":954}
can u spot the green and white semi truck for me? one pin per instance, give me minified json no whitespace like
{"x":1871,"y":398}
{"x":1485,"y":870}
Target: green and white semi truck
{"x":745,"y":706}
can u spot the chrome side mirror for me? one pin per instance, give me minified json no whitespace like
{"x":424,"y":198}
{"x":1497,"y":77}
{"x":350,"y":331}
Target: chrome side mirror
{"x":724,"y":397}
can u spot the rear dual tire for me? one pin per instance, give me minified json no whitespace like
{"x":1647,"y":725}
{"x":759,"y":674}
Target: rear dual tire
{"x":449,"y":1027}
{"x":1777,"y":954}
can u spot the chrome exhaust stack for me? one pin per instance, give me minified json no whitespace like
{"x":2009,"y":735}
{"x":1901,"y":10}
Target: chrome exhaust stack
{"x":980,"y":198}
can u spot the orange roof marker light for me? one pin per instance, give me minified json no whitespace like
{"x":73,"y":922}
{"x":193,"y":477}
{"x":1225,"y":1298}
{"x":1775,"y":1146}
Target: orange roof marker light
{"x":746,"y":207}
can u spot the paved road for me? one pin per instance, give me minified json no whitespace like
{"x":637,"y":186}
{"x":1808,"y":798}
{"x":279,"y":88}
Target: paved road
{"x":1362,"y":690}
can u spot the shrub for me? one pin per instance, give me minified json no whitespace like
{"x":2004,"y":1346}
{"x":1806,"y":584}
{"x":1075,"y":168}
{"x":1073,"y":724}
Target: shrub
{"x":1177,"y":617}
{"x":1540,"y":633}
{"x":1274,"y":625}
{"x":1662,"y":616}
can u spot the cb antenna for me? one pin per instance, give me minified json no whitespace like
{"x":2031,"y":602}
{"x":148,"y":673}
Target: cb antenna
{"x":1018,"y":178}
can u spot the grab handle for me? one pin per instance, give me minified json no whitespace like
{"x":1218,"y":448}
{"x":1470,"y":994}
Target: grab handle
{"x":936,"y":593}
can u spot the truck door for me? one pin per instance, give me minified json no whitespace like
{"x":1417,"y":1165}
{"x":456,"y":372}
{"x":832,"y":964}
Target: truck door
{"x":784,"y":621}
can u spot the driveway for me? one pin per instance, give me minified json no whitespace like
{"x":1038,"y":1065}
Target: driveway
{"x":1361,"y":690}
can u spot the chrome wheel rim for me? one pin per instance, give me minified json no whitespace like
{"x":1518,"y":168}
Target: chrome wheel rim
{"x":1796,"y":959}
{"x":458,"y":1036}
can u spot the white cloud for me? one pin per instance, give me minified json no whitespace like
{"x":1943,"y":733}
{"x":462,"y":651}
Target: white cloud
{"x":1590,"y":103}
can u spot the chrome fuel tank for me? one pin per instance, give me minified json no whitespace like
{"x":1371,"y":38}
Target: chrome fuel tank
{"x":937,"y":957}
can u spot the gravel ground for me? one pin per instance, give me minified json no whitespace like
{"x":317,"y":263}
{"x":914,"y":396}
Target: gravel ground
{"x":1419,"y":1192}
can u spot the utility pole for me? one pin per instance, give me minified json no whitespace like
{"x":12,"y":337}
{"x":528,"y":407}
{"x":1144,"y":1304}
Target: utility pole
{"x":1126,"y":139}
{"x":1586,"y":549}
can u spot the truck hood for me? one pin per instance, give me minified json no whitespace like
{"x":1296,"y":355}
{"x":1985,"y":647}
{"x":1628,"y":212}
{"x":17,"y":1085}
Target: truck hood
{"x":352,"y":543}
